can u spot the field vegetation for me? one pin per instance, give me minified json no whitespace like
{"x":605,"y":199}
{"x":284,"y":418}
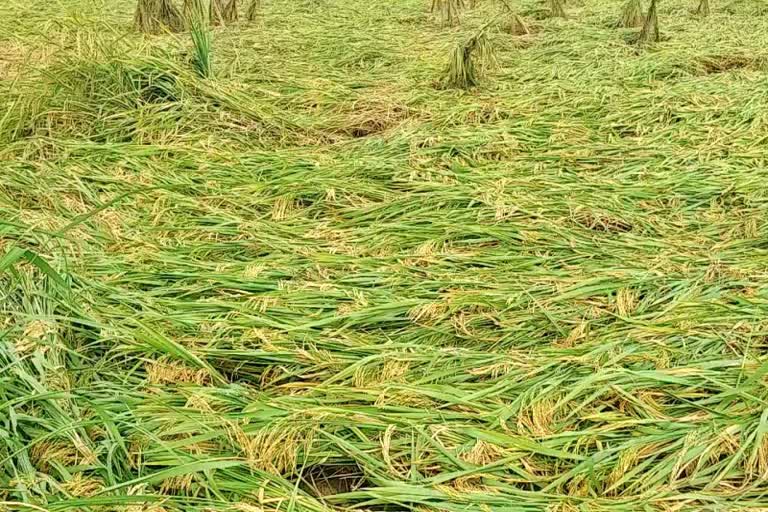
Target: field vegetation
{"x":315,"y":255}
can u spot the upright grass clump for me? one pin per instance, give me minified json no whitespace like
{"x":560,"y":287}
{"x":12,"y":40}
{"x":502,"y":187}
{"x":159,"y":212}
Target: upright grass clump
{"x":631,"y":15}
{"x":556,"y":9}
{"x":703,"y":8}
{"x":202,"y":48}
{"x":196,"y":18}
{"x":468,"y":62}
{"x":449,"y":10}
{"x":253,"y":10}
{"x":650,"y":32}
{"x":193,"y":11}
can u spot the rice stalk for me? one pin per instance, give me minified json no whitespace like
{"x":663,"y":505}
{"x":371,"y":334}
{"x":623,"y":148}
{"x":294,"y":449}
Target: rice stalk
{"x":703,"y":8}
{"x":515,"y":25}
{"x":146,"y":17}
{"x":152,"y":16}
{"x":254,"y":8}
{"x":448,"y":10}
{"x":169,"y":16}
{"x":216,"y":12}
{"x":650,"y":32}
{"x":631,"y":14}
{"x":202,"y":42}
{"x":230,"y":14}
{"x":202,"y":49}
{"x":468,"y":62}
{"x":510,"y":22}
{"x":557,"y":9}
{"x":194,"y":11}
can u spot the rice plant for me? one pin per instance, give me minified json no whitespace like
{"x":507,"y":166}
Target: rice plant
{"x":194,"y":11}
{"x":169,"y":16}
{"x":217,"y":12}
{"x":556,"y":8}
{"x":631,"y":14}
{"x":147,"y":16}
{"x":201,"y":57}
{"x":153,"y":16}
{"x":468,"y":62}
{"x":703,"y":8}
{"x":515,"y":25}
{"x":448,"y":10}
{"x":650,"y":31}
{"x":202,"y":49}
{"x":254,"y":8}
{"x":223,"y":12}
{"x":323,"y":284}
{"x":230,"y":13}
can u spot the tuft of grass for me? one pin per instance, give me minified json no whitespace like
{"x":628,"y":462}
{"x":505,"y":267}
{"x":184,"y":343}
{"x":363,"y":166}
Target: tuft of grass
{"x":703,"y":8}
{"x":557,"y":8}
{"x":202,"y":49}
{"x":650,"y":31}
{"x":194,"y":11}
{"x":468,"y":62}
{"x":631,"y":14}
